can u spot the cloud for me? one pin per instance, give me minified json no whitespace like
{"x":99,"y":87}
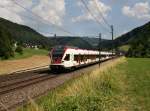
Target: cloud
{"x":51,"y":10}
{"x":140,"y":10}
{"x":86,"y":16}
{"x":10,"y":11}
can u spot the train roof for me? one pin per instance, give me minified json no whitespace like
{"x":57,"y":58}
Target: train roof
{"x":77,"y":50}
{"x":65,"y":46}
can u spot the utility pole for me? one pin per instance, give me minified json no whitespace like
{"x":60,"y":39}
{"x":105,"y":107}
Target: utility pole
{"x":100,"y":48}
{"x":112,"y":33}
{"x":55,"y":38}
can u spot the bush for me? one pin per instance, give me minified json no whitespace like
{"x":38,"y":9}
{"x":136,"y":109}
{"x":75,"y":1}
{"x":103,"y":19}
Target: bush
{"x":19,"y":49}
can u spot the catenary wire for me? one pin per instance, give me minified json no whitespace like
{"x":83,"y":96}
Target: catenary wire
{"x":101,"y":14}
{"x":42,"y":19}
{"x":90,"y":12}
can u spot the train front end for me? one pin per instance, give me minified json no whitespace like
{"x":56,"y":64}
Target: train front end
{"x":56,"y":56}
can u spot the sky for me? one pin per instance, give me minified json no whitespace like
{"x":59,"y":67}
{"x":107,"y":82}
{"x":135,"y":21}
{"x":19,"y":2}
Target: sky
{"x":72,"y":18}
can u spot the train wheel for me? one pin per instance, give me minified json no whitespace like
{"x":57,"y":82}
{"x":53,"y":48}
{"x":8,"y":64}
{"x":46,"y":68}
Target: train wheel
{"x":73,"y":68}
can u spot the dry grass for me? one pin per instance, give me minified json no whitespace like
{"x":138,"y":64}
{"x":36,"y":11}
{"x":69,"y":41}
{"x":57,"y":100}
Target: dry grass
{"x":120,"y":85}
{"x":89,"y":90}
{"x":9,"y":66}
{"x":79,"y":84}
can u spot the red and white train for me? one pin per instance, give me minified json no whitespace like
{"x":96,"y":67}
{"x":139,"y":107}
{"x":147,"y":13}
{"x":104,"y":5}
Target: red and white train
{"x":64,"y":57}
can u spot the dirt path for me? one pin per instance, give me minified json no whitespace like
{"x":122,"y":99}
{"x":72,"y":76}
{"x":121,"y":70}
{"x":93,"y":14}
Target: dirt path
{"x":9,"y":66}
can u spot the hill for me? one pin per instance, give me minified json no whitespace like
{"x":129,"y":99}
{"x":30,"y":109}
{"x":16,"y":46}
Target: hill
{"x":92,"y":40}
{"x":138,"y":41}
{"x":71,"y":41}
{"x":23,"y":34}
{"x":142,"y":32}
{"x":105,"y":44}
{"x":27,"y":35}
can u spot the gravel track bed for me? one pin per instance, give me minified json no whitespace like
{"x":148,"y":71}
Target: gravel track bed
{"x":19,"y":80}
{"x":14,"y":76}
{"x":10,"y":101}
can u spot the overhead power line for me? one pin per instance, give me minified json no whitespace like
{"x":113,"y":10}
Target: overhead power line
{"x":16,"y":13}
{"x":42,"y":19}
{"x":24,"y":16}
{"x":101,"y":14}
{"x":90,"y":12}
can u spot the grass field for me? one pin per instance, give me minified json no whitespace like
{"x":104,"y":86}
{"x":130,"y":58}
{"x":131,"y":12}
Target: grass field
{"x":124,"y":48}
{"x":28,"y":52}
{"x":123,"y":85}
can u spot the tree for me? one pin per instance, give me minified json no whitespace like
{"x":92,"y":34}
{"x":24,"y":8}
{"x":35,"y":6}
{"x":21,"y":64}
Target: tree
{"x":140,"y":47}
{"x":6,"y":44}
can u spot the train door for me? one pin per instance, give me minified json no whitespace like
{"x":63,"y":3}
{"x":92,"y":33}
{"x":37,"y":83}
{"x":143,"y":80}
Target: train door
{"x":71,"y":57}
{"x":68,"y":60}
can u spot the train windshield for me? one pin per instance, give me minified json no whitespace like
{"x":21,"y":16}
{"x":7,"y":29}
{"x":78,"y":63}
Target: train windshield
{"x":55,"y":55}
{"x":58,"y":53}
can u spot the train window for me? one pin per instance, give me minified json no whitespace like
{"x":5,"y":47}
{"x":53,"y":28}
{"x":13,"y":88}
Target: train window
{"x":76,"y":58}
{"x":57,"y":56}
{"x":82,"y":58}
{"x":67,"y":58}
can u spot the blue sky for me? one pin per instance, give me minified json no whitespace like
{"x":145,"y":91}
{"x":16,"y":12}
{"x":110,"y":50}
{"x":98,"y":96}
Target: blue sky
{"x":55,"y":16}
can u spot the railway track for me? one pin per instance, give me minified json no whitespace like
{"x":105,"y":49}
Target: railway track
{"x":6,"y":87}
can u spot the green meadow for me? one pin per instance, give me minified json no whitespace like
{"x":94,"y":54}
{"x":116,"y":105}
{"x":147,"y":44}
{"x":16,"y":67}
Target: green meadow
{"x":28,"y":52}
{"x":122,"y":85}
